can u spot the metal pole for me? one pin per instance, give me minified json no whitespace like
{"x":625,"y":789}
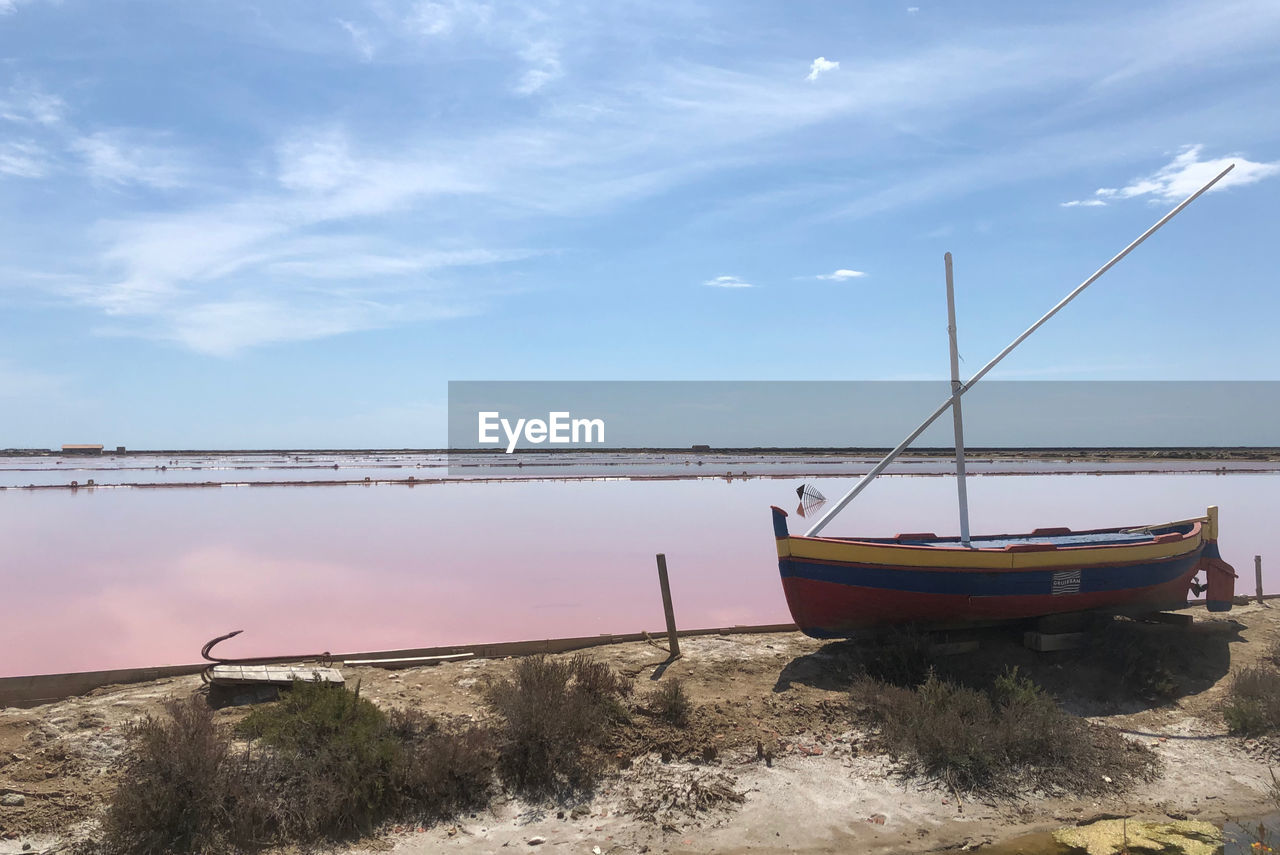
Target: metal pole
{"x":1257,"y":572}
{"x":672,"y":638}
{"x":957,"y":416}
{"x":889,"y":458}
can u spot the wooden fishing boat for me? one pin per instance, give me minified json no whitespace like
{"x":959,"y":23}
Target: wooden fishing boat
{"x":837,"y":586}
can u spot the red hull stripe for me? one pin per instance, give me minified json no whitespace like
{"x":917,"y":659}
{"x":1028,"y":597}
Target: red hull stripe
{"x":827,"y":609}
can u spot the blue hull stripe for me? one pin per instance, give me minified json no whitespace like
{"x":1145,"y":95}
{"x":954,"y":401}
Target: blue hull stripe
{"x":1000,"y":584}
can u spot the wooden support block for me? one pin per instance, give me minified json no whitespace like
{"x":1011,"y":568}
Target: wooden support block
{"x":1046,"y":642}
{"x":1068,"y":622}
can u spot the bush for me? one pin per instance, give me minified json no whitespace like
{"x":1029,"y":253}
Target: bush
{"x":555,"y":715}
{"x":321,"y":763}
{"x":671,"y":703}
{"x":173,"y":794}
{"x":341,"y":765}
{"x":1008,"y":738}
{"x":1252,"y":707}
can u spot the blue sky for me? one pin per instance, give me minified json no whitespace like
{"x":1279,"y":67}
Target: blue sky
{"x":273,"y":224}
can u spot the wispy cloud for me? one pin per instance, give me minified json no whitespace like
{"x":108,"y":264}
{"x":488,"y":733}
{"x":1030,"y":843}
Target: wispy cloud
{"x":1083,"y":203}
{"x":8,"y":7}
{"x":23,"y":159}
{"x":544,"y":67}
{"x":227,"y":327}
{"x":727,"y":282}
{"x":359,"y":39}
{"x":26,"y":103}
{"x":842,"y":275}
{"x":819,"y":66}
{"x":431,"y":18}
{"x":116,"y":157}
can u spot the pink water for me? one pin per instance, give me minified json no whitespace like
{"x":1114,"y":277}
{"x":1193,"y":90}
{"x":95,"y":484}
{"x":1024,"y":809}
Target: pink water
{"x":119,"y":578}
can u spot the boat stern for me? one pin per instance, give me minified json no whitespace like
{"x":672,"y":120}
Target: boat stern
{"x":1220,"y":577}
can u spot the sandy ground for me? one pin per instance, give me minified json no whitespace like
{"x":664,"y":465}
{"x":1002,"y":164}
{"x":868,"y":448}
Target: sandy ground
{"x":825,"y":790}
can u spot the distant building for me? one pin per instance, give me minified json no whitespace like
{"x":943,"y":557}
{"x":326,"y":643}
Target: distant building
{"x":81,"y":448}
{"x":119,"y":449}
{"x":701,"y":448}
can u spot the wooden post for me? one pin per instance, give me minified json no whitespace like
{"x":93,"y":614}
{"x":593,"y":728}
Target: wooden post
{"x":1257,"y":573}
{"x":672,"y":639}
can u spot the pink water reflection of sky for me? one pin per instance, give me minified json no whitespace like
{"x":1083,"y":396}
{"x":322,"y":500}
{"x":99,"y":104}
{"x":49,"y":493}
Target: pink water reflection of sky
{"x":121,"y":578}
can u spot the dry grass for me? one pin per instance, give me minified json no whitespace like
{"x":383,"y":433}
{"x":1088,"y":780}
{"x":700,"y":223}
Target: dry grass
{"x":554,"y":717}
{"x":1252,"y":707}
{"x":1009,"y":737}
{"x":173,"y":794}
{"x":320,"y":764}
{"x":670,"y":702}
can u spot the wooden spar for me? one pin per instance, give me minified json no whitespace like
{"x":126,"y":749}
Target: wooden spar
{"x":962,"y":491}
{"x":892,"y":455}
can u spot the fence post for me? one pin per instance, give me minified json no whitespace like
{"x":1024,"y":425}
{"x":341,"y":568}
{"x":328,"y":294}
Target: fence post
{"x":672,"y":639}
{"x":1257,"y":572}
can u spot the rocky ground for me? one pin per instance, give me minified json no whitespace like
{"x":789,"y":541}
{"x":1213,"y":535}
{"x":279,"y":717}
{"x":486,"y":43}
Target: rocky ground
{"x":771,"y":760}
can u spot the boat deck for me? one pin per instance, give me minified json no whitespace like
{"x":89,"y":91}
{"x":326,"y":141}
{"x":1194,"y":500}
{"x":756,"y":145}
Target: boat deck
{"x":1085,"y":538}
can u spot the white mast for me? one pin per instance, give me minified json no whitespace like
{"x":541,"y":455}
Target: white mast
{"x":957,"y":419}
{"x":889,"y":458}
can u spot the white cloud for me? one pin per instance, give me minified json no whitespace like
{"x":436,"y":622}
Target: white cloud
{"x":116,"y":157}
{"x":911,"y":10}
{"x":436,"y":19}
{"x":727,"y":282}
{"x":226,"y":327}
{"x":359,"y":39}
{"x":639,"y":129}
{"x":321,"y":260}
{"x":23,"y":160}
{"x":842,"y":275}
{"x":28,"y":104}
{"x":1187,"y":173}
{"x":821,"y":65}
{"x":1083,"y":203}
{"x":544,"y":62}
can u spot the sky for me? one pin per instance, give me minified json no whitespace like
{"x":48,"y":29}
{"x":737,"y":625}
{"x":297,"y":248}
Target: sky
{"x":290,"y":223}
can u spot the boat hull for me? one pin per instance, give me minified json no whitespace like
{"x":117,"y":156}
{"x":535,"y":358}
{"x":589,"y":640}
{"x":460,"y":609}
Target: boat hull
{"x":838,"y":587}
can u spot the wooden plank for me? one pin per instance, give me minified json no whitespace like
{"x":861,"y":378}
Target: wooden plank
{"x":410,"y":661}
{"x":274,"y":675}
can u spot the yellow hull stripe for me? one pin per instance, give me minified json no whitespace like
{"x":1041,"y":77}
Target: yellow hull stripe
{"x":859,"y":552}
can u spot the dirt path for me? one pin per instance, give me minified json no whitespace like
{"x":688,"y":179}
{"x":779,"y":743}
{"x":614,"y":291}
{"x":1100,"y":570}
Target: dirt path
{"x":823,"y":791}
